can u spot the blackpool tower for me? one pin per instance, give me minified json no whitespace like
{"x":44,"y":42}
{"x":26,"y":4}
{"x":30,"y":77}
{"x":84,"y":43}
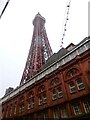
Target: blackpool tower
{"x":40,"y":50}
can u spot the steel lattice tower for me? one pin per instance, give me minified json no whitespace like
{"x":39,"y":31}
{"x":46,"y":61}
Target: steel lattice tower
{"x":40,"y":49}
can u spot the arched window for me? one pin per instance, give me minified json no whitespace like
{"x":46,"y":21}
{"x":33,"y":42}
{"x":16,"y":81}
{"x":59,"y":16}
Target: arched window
{"x":72,"y":72}
{"x":41,"y":88}
{"x":21,"y":104}
{"x":54,"y":82}
{"x":30,"y":100}
{"x":42,"y":97}
{"x":30,"y":94}
{"x":54,"y":94}
{"x":56,"y":89}
{"x":15,"y":107}
{"x":10,"y":110}
{"x":7,"y":109}
{"x":21,"y":99}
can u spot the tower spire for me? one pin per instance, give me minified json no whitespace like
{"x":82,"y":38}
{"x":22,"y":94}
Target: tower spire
{"x":40,"y":49}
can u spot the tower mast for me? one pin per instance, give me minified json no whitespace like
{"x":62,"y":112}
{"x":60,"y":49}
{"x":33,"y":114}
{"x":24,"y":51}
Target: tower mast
{"x":40,"y":49}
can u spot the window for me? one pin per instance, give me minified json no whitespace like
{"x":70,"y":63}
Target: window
{"x":7,"y":111}
{"x":77,"y":109}
{"x":44,"y":98}
{"x":80,"y":84}
{"x":60,"y":93}
{"x":31,"y":104}
{"x":55,"y":113}
{"x":41,"y":88}
{"x":21,"y":109}
{"x":54,"y":95}
{"x":2,"y":111}
{"x":45,"y":115}
{"x":14,"y":110}
{"x":87,"y":106}
{"x":57,"y":93}
{"x":40,"y":100}
{"x":11,"y":110}
{"x":72,"y":87}
{"x":21,"y":104}
{"x":72,"y":72}
{"x":15,"y":107}
{"x":30,"y":94}
{"x":55,"y":81}
{"x":63,"y":113}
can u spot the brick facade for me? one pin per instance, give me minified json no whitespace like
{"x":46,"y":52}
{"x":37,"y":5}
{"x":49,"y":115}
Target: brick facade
{"x":62,"y":90}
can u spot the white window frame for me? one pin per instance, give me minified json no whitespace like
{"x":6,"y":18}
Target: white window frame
{"x":76,"y":109}
{"x":22,"y":108}
{"x":72,"y":88}
{"x":54,"y":95}
{"x":11,"y":111}
{"x":40,"y":100}
{"x":86,"y":105}
{"x":55,"y":114}
{"x":80,"y":84}
{"x":32,"y":103}
{"x":60,"y":92}
{"x":15,"y":110}
{"x":29,"y":105}
{"x":44,"y":98}
{"x":45,"y":115}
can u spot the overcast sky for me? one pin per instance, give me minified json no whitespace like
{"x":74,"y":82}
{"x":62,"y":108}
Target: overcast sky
{"x":16,"y":31}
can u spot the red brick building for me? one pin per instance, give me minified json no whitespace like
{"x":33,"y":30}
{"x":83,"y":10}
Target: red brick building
{"x":61,"y":90}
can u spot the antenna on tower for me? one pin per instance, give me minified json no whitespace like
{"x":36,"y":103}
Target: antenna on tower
{"x":65,"y":23}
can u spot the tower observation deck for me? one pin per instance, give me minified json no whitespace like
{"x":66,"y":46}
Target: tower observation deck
{"x":40,"y":50}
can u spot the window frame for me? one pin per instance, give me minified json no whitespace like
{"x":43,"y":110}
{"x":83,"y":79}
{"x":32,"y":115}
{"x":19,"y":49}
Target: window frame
{"x":63,"y":111}
{"x":60,"y":93}
{"x":21,"y":108}
{"x":55,"y":114}
{"x":87,"y":110}
{"x":40,"y":100}
{"x":54,"y":95}
{"x":72,"y":87}
{"x":44,"y":98}
{"x":77,"y":109}
{"x":80,"y":84}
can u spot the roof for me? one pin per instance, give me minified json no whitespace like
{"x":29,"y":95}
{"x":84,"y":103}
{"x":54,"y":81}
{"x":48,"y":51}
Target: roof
{"x":55,"y":57}
{"x":61,"y":53}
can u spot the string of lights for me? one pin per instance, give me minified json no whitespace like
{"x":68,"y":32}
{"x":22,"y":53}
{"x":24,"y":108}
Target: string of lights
{"x":65,"y":23}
